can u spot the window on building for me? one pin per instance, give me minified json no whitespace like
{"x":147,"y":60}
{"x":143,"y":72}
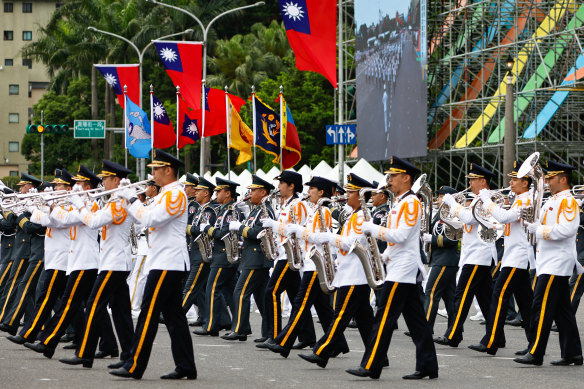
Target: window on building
{"x":8,"y":7}
{"x":27,"y":35}
{"x":8,"y":62}
{"x":26,"y":8}
{"x":13,"y":147}
{"x":14,"y":173}
{"x":8,"y":35}
{"x":13,"y":117}
{"x":13,"y":89}
{"x":27,"y":62}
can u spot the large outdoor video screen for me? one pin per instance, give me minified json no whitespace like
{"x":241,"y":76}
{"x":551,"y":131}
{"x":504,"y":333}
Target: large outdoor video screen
{"x":391,"y":82}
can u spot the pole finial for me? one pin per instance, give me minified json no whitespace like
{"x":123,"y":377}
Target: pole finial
{"x":177,"y":89}
{"x":253,"y":89}
{"x":226,"y":88}
{"x":281,"y":89}
{"x":151,"y":88}
{"x":125,"y":88}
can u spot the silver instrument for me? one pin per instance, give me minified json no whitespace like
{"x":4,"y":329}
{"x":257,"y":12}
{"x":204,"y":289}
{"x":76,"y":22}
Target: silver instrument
{"x":370,"y":257}
{"x":423,"y":190}
{"x":530,"y":168}
{"x":203,"y":241}
{"x":489,"y":228}
{"x":292,"y":244}
{"x":325,"y":264}
{"x":453,"y":229}
{"x":232,"y":242}
{"x":578,"y":192}
{"x":133,"y":240}
{"x":266,"y":236}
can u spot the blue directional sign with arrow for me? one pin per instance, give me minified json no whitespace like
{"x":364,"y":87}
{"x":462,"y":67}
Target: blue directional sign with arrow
{"x":341,"y":134}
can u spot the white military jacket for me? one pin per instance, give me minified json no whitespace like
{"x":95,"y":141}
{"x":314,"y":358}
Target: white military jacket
{"x":473,"y":251}
{"x":402,"y":235}
{"x":166,"y":217}
{"x":285,"y":217}
{"x":556,"y":236}
{"x":518,"y":250}
{"x":349,"y":268}
{"x":114,"y":248}
{"x":57,"y":241}
{"x":84,"y":249}
{"x":313,"y":225}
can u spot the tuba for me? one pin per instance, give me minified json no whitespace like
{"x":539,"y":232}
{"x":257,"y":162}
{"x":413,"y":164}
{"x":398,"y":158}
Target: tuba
{"x":423,"y":190}
{"x":530,"y":168}
{"x":325,"y":265}
{"x":231,"y":239}
{"x":266,"y":236}
{"x":490,"y":229}
{"x":203,"y":240}
{"x":292,"y":244}
{"x":370,"y":257}
{"x":453,"y":226}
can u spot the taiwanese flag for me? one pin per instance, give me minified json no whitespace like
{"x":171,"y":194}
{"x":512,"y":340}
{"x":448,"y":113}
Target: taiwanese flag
{"x":163,"y":132}
{"x":311,"y":27}
{"x":119,"y":75}
{"x":215,"y":106}
{"x":183,"y":62}
{"x":291,"y":151}
{"x":188,"y":124}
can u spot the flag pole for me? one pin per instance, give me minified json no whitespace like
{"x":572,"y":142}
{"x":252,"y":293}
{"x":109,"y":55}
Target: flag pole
{"x":203,"y":109}
{"x":177,"y":117}
{"x":126,"y":126}
{"x":152,"y":123}
{"x":281,"y":126}
{"x":228,"y":132}
{"x":253,"y":110}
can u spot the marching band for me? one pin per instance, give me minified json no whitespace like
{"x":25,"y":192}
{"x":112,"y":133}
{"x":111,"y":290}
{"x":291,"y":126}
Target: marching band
{"x":153,"y":251}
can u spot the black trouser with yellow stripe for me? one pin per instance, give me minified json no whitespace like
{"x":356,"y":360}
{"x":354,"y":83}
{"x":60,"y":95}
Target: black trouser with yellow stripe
{"x":397,"y":299}
{"x":285,"y":279}
{"x":4,"y":274}
{"x":79,"y":283}
{"x":474,"y":281}
{"x":510,"y":281}
{"x":162,"y":294}
{"x":351,"y":301}
{"x":109,"y":287}
{"x":441,"y":285}
{"x":17,"y":271}
{"x":194,"y":291}
{"x":24,"y":296}
{"x":309,"y":294}
{"x":576,"y":290}
{"x":250,"y":281}
{"x":551,"y":302}
{"x":52,"y":286}
{"x":219,"y":296}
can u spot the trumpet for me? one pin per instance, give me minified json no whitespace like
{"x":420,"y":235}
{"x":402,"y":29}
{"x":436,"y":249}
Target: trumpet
{"x":102,"y":193}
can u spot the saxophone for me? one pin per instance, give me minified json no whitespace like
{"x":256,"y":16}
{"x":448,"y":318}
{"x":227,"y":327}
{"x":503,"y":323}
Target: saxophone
{"x":266,"y":236}
{"x":292,"y":244}
{"x":203,"y":240}
{"x":325,"y":264}
{"x":231,"y":239}
{"x":370,"y":258}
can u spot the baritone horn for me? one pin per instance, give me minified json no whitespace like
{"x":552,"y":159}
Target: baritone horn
{"x":530,"y":168}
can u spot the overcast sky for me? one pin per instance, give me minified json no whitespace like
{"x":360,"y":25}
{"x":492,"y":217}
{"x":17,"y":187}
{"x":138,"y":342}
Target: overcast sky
{"x":367,"y":11}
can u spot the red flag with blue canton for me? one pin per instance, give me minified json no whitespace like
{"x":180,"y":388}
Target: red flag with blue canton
{"x":183,"y":63}
{"x":163,"y":131}
{"x":291,"y":150}
{"x":188,"y":126}
{"x":215,"y":114}
{"x":311,"y":27}
{"x":119,"y":75}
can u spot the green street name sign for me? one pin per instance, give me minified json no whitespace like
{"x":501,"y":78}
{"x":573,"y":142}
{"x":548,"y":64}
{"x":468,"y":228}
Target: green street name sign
{"x":90,"y":129}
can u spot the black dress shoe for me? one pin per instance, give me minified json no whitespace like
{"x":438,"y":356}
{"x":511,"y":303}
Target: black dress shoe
{"x":41,"y":348}
{"x":337,"y":352}
{"x":313,"y":358}
{"x":234,"y":336}
{"x":104,"y":354}
{"x":528,"y":359}
{"x":445,"y":341}
{"x":352,"y":323}
{"x":362,"y":372}
{"x":121,"y":372}
{"x":7,"y":328}
{"x":265,"y":343}
{"x":72,"y":346}
{"x":276,"y":348}
{"x":226,"y":327}
{"x":175,"y":375}
{"x":514,"y":322}
{"x":522,"y":352}
{"x":116,"y":365}
{"x":481,"y":348}
{"x":302,"y":345}
{"x":197,"y":323}
{"x":262,"y":339}
{"x":75,"y":360}
{"x":418,"y":375}
{"x":407,"y":333}
{"x":203,"y":332}
{"x":16,"y":339}
{"x":67,"y":338}
{"x":577,"y":361}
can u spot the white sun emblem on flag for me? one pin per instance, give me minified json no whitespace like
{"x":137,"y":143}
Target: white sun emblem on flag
{"x":192,"y":129}
{"x":293,"y":11}
{"x":168,"y":54}
{"x":111,"y":79}
{"x":159,"y":110}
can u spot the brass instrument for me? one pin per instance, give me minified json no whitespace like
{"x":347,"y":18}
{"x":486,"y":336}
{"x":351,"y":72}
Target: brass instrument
{"x":292,"y":244}
{"x":453,"y":229}
{"x":133,"y":237}
{"x":489,"y":229}
{"x":578,"y":192}
{"x":266,"y":236}
{"x":370,"y":257}
{"x":203,"y":240}
{"x":325,"y":264}
{"x":423,"y":190}
{"x":231,"y":239}
{"x":339,"y":201}
{"x":530,"y":168}
{"x":100,"y":192}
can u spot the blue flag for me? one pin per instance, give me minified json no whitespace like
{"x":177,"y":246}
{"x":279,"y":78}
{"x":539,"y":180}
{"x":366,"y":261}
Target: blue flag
{"x":138,"y":138}
{"x":268,"y":127}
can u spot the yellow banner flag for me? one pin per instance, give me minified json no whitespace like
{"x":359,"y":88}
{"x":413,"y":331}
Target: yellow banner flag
{"x":241,"y":136}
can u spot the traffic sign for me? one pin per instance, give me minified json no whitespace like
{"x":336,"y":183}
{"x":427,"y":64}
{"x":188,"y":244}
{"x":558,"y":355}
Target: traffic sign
{"x":341,"y":134}
{"x":90,"y":129}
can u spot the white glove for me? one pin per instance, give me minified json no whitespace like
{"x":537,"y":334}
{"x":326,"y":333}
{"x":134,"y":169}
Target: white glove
{"x":76,"y":201}
{"x":202,"y":226}
{"x":33,"y":190}
{"x":269,"y":223}
{"x":294,"y":229}
{"x":485,"y":195}
{"x":125,"y":182}
{"x":427,"y":238}
{"x":321,"y":237}
{"x":370,"y":228}
{"x":385,"y":257}
{"x":127,"y":193}
{"x":30,"y":208}
{"x":48,"y":189}
{"x":234,"y":225}
{"x":532,"y":227}
{"x":77,"y":188}
{"x":449,"y":200}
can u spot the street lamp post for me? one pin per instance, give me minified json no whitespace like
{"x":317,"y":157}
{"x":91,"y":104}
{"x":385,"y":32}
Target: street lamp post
{"x":142,"y":171}
{"x":205,"y":31}
{"x":509,"y":140}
